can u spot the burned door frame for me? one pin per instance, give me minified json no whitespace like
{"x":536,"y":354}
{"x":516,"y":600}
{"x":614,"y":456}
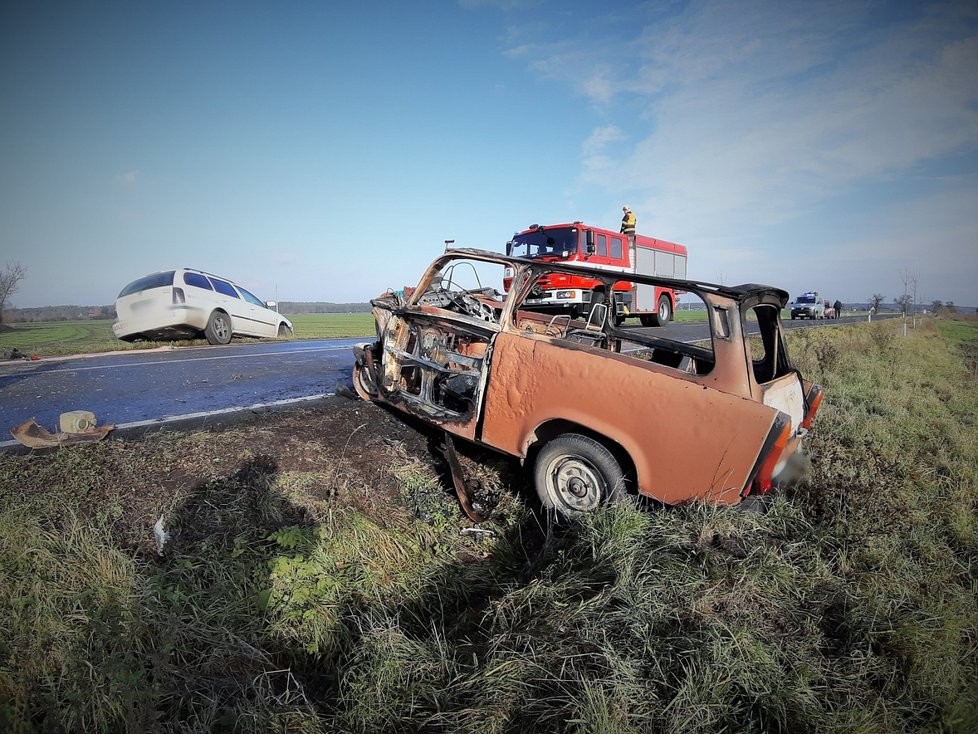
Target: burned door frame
{"x":437,"y":349}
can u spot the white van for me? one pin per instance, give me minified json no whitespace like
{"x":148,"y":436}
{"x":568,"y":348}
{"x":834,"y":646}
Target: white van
{"x":184,"y":303}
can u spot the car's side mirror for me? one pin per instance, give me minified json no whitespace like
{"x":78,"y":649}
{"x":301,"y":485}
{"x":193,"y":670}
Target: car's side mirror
{"x":270,"y":304}
{"x":590,"y":241}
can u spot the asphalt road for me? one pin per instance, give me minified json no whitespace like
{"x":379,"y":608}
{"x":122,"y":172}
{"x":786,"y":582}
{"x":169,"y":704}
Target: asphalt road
{"x":133,"y":388}
{"x":138,"y":388}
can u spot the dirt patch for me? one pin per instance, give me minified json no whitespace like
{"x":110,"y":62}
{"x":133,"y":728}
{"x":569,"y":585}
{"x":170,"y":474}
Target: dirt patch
{"x":292,"y":466}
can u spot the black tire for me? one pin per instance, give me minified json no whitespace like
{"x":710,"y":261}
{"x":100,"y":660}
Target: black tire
{"x":218,"y":329}
{"x":647,"y":320}
{"x":284,"y":332}
{"x":793,"y":317}
{"x":575,"y":474}
{"x":597,"y":297}
{"x":663,"y":313}
{"x":619,"y":320}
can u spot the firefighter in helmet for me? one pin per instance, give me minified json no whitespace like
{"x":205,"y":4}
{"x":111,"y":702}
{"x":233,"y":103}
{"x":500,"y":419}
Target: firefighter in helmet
{"x":627,"y":221}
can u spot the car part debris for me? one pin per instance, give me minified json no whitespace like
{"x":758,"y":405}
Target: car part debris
{"x":160,"y":535}
{"x":344,"y":392}
{"x":30,"y":434}
{"x":478,"y":533}
{"x":458,"y":478}
{"x":76,"y":421}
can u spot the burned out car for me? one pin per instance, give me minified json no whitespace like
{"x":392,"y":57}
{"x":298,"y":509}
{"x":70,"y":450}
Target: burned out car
{"x":594,"y":409}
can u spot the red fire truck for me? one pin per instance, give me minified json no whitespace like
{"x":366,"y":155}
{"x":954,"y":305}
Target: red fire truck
{"x":606,"y":250}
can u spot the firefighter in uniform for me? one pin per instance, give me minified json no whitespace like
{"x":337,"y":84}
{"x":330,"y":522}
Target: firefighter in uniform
{"x":628,"y":221}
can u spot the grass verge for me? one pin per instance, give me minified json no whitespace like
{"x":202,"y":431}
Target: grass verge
{"x":316,"y":580}
{"x":59,"y":338}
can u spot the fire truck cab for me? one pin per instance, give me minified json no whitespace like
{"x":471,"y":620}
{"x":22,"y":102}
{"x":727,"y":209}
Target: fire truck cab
{"x":606,"y":250}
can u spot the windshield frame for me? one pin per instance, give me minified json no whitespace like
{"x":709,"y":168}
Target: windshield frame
{"x":540,"y":243}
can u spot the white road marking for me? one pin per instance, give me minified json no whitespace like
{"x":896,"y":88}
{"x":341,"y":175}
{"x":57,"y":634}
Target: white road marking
{"x":195,"y":359}
{"x":203,"y":414}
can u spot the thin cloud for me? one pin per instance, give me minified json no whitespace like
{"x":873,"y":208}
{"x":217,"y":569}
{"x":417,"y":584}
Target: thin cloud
{"x":757,"y":115}
{"x":128,"y":178}
{"x":601,"y":138}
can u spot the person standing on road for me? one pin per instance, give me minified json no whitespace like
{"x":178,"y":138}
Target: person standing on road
{"x":838,"y":308}
{"x":628,"y":221}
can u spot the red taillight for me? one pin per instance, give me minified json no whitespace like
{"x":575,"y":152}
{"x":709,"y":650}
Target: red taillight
{"x":178,"y":296}
{"x":813,"y":403}
{"x":780,"y":432}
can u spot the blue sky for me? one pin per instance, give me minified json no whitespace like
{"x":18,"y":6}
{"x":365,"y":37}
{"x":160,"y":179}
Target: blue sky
{"x":321,"y":151}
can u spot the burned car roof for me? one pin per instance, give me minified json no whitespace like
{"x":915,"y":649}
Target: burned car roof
{"x":741,"y":292}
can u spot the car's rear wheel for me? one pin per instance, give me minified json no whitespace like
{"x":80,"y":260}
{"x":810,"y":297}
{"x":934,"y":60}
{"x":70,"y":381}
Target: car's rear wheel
{"x":575,"y":474}
{"x":218,"y":329}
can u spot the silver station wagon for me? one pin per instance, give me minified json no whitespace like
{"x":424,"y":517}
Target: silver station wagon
{"x":185,"y":303}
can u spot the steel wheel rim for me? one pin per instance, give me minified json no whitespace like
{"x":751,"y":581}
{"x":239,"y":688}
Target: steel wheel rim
{"x":663,"y":310}
{"x":575,"y":483}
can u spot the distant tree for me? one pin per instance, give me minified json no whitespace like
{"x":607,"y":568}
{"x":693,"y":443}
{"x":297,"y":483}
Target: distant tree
{"x":904,"y":302}
{"x":951,"y":308}
{"x":936,"y":306}
{"x":9,"y":282}
{"x":875,"y":300}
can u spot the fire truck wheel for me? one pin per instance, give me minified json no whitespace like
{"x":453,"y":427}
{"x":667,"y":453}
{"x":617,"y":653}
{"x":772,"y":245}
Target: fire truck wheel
{"x":597,"y":297}
{"x":663,"y":313}
{"x":218,"y":329}
{"x":575,"y":474}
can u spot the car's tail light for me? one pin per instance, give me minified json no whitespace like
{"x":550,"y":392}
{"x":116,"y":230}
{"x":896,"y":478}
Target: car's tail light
{"x":815,"y":396}
{"x":178,"y":296}
{"x":762,"y":477}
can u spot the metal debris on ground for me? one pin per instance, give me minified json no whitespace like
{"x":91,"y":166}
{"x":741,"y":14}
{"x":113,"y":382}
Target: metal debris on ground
{"x":458,"y":478}
{"x":30,"y":434}
{"x":478,"y":533}
{"x":345,"y":392}
{"x":160,"y":535}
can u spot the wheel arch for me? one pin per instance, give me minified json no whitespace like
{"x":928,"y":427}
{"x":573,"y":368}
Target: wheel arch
{"x":554,"y":427}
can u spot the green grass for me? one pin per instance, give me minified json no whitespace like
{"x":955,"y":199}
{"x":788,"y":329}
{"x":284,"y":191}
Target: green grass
{"x":300,"y":595}
{"x":62,"y":337}
{"x":333,"y":325}
{"x":80,"y":337}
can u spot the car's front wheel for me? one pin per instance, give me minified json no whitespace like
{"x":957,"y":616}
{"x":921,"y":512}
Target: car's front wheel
{"x":218,"y":329}
{"x":575,"y":474}
{"x":284,"y":332}
{"x":363,"y":382}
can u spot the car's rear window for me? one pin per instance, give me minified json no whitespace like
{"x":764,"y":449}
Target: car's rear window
{"x":156,"y":280}
{"x":223,"y":287}
{"x":197,"y":280}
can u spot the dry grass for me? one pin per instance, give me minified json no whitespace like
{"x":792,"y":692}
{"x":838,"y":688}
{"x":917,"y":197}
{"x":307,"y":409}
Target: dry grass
{"x":316,"y":580}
